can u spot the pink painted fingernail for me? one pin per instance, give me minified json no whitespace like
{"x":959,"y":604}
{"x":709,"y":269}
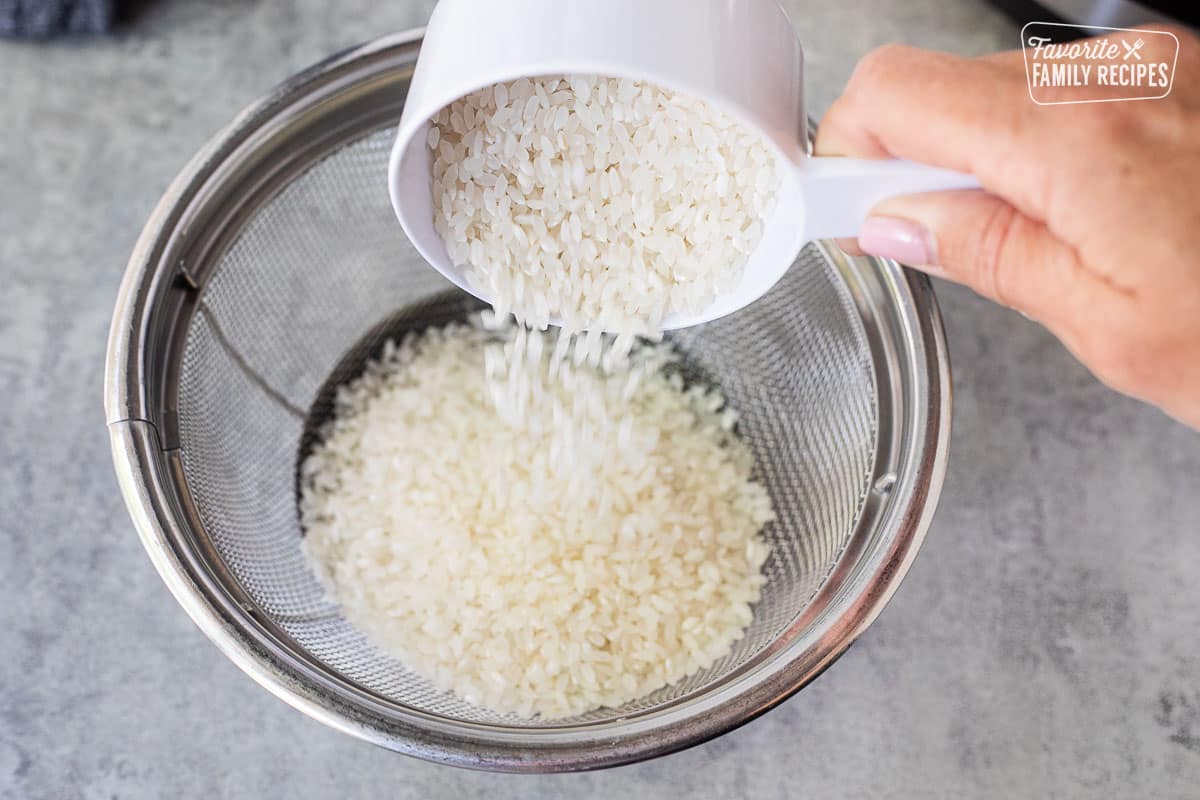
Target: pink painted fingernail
{"x":903,"y":240}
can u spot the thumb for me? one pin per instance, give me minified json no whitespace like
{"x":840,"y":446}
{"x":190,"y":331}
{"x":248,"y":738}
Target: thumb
{"x":980,"y":240}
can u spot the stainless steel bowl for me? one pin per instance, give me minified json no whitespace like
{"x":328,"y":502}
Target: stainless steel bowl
{"x":273,"y":267}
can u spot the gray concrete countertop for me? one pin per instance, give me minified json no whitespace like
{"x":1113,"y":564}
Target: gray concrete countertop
{"x":1045,"y":644}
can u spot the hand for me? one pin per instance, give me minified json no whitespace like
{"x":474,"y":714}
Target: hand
{"x":1090,"y":222}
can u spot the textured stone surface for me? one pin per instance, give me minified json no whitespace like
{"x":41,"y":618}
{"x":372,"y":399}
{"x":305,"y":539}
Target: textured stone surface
{"x":1044,"y":645}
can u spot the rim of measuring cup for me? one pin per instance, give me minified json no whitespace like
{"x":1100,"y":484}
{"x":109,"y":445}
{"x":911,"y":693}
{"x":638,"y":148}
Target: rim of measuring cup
{"x":158,"y":295}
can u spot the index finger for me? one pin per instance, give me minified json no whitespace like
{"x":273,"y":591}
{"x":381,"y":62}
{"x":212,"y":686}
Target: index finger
{"x":965,"y":114}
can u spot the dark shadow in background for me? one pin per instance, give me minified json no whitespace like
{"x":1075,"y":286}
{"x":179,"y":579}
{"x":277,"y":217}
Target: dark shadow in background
{"x":40,"y":20}
{"x":1022,"y":11}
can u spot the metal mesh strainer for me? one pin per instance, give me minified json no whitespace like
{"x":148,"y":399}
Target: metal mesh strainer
{"x":274,"y":267}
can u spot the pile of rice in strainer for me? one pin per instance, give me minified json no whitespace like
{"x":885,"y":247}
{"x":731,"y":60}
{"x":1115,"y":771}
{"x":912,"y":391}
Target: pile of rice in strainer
{"x":453,"y":538}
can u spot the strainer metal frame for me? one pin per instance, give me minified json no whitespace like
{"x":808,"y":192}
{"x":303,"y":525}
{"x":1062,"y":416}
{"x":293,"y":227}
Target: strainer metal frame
{"x":156,"y":301}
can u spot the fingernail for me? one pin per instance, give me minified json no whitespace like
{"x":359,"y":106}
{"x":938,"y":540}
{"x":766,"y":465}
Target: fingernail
{"x":903,"y":240}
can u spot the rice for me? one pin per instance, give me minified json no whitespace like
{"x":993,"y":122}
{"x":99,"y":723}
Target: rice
{"x":449,"y":532}
{"x":600,"y":202}
{"x":549,"y":523}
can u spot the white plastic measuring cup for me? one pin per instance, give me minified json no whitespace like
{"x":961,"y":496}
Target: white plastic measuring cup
{"x":741,"y":56}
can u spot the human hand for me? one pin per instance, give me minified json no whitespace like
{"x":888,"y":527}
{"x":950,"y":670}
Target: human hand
{"x":1090,"y":222}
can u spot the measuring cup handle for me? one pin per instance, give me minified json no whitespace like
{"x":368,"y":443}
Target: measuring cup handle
{"x":840,"y":192}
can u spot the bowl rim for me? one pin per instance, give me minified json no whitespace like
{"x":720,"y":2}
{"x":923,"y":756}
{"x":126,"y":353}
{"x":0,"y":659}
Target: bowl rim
{"x":146,"y":459}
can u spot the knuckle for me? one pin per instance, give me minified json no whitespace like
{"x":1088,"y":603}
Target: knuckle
{"x":1170,"y":122}
{"x":1182,"y":52}
{"x":1110,"y":122}
{"x":879,"y":66}
{"x":996,"y":275}
{"x":1178,"y":122}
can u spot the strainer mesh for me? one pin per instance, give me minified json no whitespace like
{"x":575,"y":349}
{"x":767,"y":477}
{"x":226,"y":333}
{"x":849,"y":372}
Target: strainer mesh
{"x":324,"y":264}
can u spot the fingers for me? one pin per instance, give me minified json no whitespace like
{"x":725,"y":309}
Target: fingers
{"x":971,"y":115}
{"x":919,"y":104}
{"x":1083,"y":217}
{"x":979,"y":240}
